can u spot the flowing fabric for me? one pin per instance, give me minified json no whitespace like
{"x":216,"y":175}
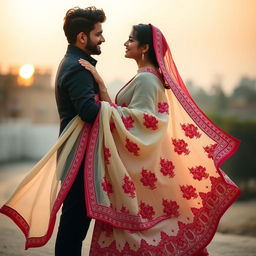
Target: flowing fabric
{"x":160,"y":190}
{"x":36,"y":201}
{"x":152,"y":178}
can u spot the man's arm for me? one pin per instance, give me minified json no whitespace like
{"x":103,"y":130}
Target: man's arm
{"x":80,"y":87}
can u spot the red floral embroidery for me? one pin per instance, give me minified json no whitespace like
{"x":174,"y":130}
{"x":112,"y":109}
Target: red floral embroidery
{"x":191,"y":131}
{"x":180,"y":146}
{"x":146,"y":211}
{"x":128,"y":186}
{"x":171,"y":208}
{"x":148,"y":178}
{"x":124,"y":210}
{"x":107,"y":186}
{"x":188,"y":191}
{"x":107,"y":154}
{"x":123,"y":105}
{"x":199,"y":172}
{"x":112,"y":104}
{"x":112,"y":126}
{"x":150,"y":121}
{"x":132,"y":147}
{"x":167,"y":168}
{"x":108,"y":229}
{"x":128,"y":122}
{"x":210,"y":149}
{"x":163,"y":107}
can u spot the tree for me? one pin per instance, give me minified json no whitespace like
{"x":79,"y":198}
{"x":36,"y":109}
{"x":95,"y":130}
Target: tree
{"x":245,"y":91}
{"x":219,"y":97}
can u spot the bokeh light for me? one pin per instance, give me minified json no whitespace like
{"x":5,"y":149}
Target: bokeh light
{"x":26,"y":71}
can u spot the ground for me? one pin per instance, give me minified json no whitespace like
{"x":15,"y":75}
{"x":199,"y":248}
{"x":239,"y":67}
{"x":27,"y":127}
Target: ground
{"x":238,"y":224}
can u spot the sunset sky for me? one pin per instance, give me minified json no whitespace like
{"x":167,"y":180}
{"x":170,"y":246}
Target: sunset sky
{"x":208,"y":38}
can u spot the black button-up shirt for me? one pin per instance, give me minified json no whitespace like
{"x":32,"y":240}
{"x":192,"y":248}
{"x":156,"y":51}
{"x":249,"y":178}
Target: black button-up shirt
{"x":75,"y":88}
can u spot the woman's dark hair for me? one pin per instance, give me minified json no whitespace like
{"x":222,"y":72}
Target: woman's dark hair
{"x":143,"y":33}
{"x":81,"y":20}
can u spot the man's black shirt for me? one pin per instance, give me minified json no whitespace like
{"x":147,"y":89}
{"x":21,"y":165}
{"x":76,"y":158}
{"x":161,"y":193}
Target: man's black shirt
{"x":75,"y":88}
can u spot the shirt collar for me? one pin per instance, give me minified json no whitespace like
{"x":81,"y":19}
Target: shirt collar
{"x":81,"y":54}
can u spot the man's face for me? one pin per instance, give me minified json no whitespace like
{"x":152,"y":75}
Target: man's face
{"x":94,"y":40}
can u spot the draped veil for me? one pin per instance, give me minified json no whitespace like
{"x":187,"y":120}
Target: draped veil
{"x":179,"y":190}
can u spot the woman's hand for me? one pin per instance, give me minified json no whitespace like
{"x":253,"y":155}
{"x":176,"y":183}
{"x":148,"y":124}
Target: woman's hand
{"x":87,"y":65}
{"x":102,"y":88}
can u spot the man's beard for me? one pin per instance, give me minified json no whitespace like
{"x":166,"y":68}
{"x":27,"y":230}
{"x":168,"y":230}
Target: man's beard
{"x":92,"y":48}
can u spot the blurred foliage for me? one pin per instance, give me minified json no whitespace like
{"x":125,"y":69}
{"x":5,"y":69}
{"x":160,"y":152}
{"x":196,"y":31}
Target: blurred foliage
{"x":241,"y":103}
{"x":246,"y":90}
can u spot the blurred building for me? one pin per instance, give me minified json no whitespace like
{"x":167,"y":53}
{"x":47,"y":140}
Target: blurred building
{"x":30,"y":98}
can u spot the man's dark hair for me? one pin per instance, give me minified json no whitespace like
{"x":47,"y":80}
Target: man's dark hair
{"x":81,"y":20}
{"x":143,"y":33}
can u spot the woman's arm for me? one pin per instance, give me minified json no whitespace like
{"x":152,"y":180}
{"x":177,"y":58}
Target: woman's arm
{"x":102,"y":88}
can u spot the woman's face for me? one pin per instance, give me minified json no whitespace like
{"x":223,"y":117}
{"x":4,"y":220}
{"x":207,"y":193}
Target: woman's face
{"x":133,"y":51}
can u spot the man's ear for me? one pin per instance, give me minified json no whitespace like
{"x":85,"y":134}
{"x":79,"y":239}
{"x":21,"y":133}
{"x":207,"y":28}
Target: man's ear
{"x":81,"y":38}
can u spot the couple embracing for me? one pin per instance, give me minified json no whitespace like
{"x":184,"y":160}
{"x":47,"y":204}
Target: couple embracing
{"x":146,"y":167}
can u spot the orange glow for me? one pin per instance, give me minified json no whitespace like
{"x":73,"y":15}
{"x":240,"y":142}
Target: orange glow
{"x":206,"y":40}
{"x":26,"y":73}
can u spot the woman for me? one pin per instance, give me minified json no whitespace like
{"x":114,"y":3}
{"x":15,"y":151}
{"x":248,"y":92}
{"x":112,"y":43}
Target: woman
{"x":152,"y":177}
{"x":166,"y":197}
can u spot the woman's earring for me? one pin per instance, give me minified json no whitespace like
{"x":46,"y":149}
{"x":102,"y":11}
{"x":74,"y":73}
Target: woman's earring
{"x":143,"y":57}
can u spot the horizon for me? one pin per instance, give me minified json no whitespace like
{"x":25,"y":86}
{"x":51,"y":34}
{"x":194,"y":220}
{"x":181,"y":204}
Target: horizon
{"x":209,"y":42}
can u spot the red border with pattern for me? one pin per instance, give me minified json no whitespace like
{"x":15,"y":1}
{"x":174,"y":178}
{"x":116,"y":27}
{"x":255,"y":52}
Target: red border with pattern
{"x":192,"y":238}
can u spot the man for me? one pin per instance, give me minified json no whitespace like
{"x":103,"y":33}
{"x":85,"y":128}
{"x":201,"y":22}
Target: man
{"x":75,"y":88}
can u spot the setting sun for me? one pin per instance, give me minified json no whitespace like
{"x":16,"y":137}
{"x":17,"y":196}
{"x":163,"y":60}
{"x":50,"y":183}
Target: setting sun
{"x":26,"y":71}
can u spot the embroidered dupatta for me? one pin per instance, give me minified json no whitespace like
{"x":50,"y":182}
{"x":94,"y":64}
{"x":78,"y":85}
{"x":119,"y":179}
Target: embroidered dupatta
{"x":164,"y":190}
{"x":152,"y":176}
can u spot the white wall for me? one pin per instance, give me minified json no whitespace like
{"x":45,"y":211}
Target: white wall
{"x":25,"y":140}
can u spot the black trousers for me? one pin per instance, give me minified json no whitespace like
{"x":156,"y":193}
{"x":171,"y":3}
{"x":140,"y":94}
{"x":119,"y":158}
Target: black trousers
{"x":74,"y":222}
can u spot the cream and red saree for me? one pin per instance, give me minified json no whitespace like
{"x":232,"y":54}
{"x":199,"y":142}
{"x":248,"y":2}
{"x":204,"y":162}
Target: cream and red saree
{"x":152,"y":177}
